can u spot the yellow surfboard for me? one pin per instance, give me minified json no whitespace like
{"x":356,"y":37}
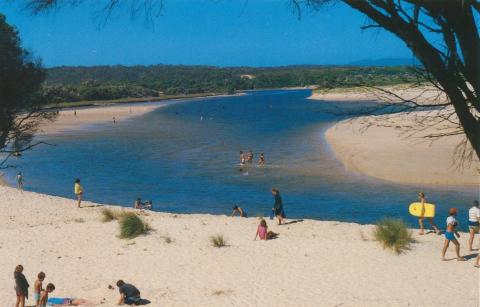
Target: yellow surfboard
{"x":415,"y":209}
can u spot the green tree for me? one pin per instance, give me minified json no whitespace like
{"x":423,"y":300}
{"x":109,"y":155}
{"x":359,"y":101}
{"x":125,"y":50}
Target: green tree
{"x":21,"y":78}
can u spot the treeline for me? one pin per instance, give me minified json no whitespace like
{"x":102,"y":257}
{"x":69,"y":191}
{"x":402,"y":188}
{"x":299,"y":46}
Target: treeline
{"x":71,"y":84}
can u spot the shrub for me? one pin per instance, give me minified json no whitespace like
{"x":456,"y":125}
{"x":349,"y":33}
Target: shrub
{"x":218,"y":241}
{"x":108,"y":215}
{"x":393,"y":234}
{"x":131,"y":226}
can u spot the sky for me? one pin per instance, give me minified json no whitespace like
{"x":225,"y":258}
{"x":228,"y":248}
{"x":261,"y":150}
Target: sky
{"x":202,"y":32}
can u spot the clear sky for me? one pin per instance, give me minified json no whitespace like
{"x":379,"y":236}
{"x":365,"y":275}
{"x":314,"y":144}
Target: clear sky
{"x":211,"y":32}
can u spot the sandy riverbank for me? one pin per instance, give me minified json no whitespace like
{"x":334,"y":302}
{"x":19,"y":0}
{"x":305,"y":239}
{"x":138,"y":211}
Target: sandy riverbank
{"x":385,"y":147}
{"x":74,"y":118}
{"x":312,"y":263}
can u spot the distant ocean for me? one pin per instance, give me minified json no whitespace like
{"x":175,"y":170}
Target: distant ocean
{"x":185,"y":158}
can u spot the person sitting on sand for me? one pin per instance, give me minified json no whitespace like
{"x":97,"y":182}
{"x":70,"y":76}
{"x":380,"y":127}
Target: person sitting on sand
{"x":138,"y":203}
{"x":450,"y":235}
{"x":261,"y":159}
{"x":38,"y":287}
{"x":78,"y":189}
{"x":473,"y":223}
{"x":423,"y":200}
{"x":278,"y":211}
{"x":44,"y":295}
{"x":148,"y":205}
{"x":129,"y":294}
{"x":239,"y":210}
{"x":21,"y":286}
{"x":263,"y":233}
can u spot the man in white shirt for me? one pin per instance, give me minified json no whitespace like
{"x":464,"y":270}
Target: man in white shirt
{"x":473,"y":222}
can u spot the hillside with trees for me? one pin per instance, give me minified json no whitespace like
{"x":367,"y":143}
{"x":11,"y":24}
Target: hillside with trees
{"x":73,"y":84}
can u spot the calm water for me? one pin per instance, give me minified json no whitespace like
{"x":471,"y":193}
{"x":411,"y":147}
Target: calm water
{"x":185,"y":164}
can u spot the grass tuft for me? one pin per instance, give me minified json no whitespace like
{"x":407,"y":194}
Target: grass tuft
{"x":218,"y":241}
{"x":131,"y":226}
{"x":108,"y":215}
{"x":393,"y":234}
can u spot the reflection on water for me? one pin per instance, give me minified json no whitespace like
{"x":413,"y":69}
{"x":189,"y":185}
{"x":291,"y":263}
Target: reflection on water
{"x":185,"y":158}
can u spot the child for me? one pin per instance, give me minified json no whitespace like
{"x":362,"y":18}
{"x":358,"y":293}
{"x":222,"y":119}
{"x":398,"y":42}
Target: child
{"x":21,"y":286}
{"x":44,"y":295}
{"x":239,"y":210}
{"x":37,"y":287}
{"x":263,"y":233}
{"x":78,"y":189}
{"x":449,"y":235}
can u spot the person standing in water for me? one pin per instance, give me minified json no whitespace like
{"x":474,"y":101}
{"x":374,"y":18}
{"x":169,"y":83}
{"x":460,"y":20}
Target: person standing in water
{"x":423,"y":200}
{"x":242,"y":158}
{"x":261,"y":159}
{"x":450,"y":235}
{"x":20,"y":181}
{"x":473,"y":223}
{"x":114,"y":120}
{"x":278,"y":206}
{"x":78,"y":190}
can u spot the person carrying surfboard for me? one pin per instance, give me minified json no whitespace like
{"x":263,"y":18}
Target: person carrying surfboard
{"x":450,"y":235}
{"x":423,"y":201}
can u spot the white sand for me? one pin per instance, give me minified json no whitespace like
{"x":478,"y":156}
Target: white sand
{"x":389,"y":149}
{"x":312,"y":263}
{"x":67,"y":120}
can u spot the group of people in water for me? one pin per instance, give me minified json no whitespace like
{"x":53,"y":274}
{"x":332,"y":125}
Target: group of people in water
{"x":247,"y":157}
{"x":129,"y":294}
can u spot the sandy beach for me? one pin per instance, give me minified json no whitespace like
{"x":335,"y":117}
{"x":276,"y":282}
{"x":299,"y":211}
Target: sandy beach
{"x":407,"y":158}
{"x":312,"y":263}
{"x":74,"y":118}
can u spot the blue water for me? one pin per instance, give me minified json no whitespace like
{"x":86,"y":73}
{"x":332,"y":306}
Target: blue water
{"x":188,"y":165}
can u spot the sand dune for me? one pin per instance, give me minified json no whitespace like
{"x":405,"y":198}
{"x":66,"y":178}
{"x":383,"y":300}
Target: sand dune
{"x":395,"y":148}
{"x":312,"y":263}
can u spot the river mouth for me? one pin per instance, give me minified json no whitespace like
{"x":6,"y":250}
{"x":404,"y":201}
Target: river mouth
{"x":185,"y":158}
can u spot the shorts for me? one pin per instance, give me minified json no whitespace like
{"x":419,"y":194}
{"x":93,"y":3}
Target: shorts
{"x":449,"y":236}
{"x":475,"y":226}
{"x":132,"y":300}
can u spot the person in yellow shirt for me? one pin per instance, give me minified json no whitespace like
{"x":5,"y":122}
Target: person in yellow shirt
{"x":78,"y":191}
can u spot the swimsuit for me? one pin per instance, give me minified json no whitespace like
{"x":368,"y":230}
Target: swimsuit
{"x":449,"y":236}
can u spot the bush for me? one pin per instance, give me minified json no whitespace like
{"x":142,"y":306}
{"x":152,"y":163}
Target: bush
{"x":218,"y":241}
{"x":393,"y":234}
{"x":108,"y":215}
{"x":131,"y":226}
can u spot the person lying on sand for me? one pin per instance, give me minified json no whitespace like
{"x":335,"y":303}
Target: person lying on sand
{"x":239,"y":210}
{"x":44,"y":295}
{"x":66,"y":301}
{"x":129,"y":294}
{"x":449,"y":235}
{"x":423,"y":200}
{"x":263,"y":233}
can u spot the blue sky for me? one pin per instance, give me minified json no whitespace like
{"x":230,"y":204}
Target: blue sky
{"x":210,"y":32}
